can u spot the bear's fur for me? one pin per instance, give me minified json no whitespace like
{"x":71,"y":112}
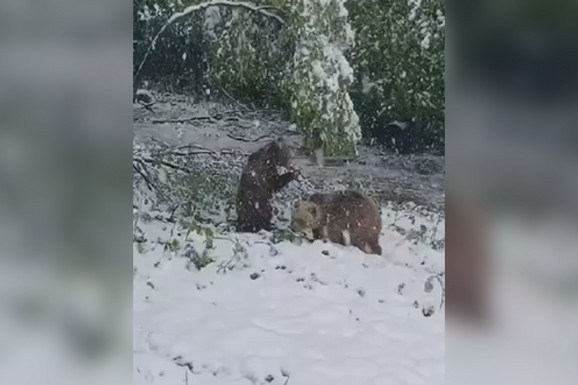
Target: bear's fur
{"x":344,"y":217}
{"x":259,"y":180}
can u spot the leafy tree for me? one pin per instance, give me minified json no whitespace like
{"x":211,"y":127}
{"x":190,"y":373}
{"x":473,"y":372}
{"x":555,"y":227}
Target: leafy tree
{"x":399,"y":63}
{"x":318,"y":77}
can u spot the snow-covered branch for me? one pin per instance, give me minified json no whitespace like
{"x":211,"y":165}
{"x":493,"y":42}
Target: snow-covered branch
{"x":199,"y":7}
{"x":228,"y":3}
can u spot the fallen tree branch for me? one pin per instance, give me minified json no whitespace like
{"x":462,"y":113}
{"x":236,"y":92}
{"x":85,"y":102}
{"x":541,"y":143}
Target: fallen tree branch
{"x":183,"y":120}
{"x":147,"y":106}
{"x":177,"y":151}
{"x":214,"y":154}
{"x":249,"y":140}
{"x":144,"y":177}
{"x":165,"y":163}
{"x":189,"y":153}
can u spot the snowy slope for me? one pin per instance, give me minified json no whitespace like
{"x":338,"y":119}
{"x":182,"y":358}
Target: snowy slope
{"x":290,"y":314}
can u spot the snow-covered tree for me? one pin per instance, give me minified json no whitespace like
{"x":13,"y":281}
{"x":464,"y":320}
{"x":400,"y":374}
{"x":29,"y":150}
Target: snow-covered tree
{"x":318,"y":77}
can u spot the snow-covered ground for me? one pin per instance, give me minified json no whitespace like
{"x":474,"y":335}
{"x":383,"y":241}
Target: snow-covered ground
{"x":286,"y":313}
{"x":218,"y":307}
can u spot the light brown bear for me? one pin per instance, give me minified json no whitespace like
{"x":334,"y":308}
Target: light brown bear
{"x":345,"y":217}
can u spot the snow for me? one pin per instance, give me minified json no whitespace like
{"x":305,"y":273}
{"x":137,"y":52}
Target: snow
{"x":317,"y":69}
{"x":426,"y":41}
{"x":290,"y":313}
{"x":212,"y":20}
{"x":211,"y":4}
{"x":415,"y":5}
{"x":366,"y":84}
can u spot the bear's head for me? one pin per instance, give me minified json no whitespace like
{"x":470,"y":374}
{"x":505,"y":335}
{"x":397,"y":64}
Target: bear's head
{"x":306,"y":216}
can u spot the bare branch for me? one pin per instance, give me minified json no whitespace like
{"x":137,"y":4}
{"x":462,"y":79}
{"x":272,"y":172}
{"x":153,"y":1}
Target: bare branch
{"x":212,"y":153}
{"x":143,"y":175}
{"x":183,"y":120}
{"x":270,"y":7}
{"x":187,"y":146}
{"x":249,"y":140}
{"x":177,"y":151}
{"x":147,"y":106}
{"x":201,"y":152}
{"x":164,"y":163}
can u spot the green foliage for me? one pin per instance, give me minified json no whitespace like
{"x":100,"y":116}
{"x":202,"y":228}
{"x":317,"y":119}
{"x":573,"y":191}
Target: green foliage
{"x":399,"y":62}
{"x":201,"y":195}
{"x":280,"y":235}
{"x":209,"y":193}
{"x":202,"y":260}
{"x":199,"y":260}
{"x":245,"y":55}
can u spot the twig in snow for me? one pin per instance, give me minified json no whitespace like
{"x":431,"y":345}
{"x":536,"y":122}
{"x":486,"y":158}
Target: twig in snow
{"x":176,"y":150}
{"x":164,"y":163}
{"x":207,"y":151}
{"x":139,"y":165}
{"x":179,"y":362}
{"x":144,"y":177}
{"x":190,"y":153}
{"x":285,"y":374}
{"x":429,"y":287}
{"x":266,"y":136}
{"x":239,"y":253}
{"x":184,"y":120}
{"x":200,"y":152}
{"x":201,"y":147}
{"x":148,"y":106}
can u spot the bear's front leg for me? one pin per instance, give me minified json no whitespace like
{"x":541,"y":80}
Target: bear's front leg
{"x":284,"y":180}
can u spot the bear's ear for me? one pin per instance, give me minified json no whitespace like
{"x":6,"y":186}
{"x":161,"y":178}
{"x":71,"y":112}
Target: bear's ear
{"x":274,"y":146}
{"x":313,"y":210}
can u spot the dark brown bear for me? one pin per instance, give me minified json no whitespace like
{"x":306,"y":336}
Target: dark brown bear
{"x":345,"y":217}
{"x":260,"y":179}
